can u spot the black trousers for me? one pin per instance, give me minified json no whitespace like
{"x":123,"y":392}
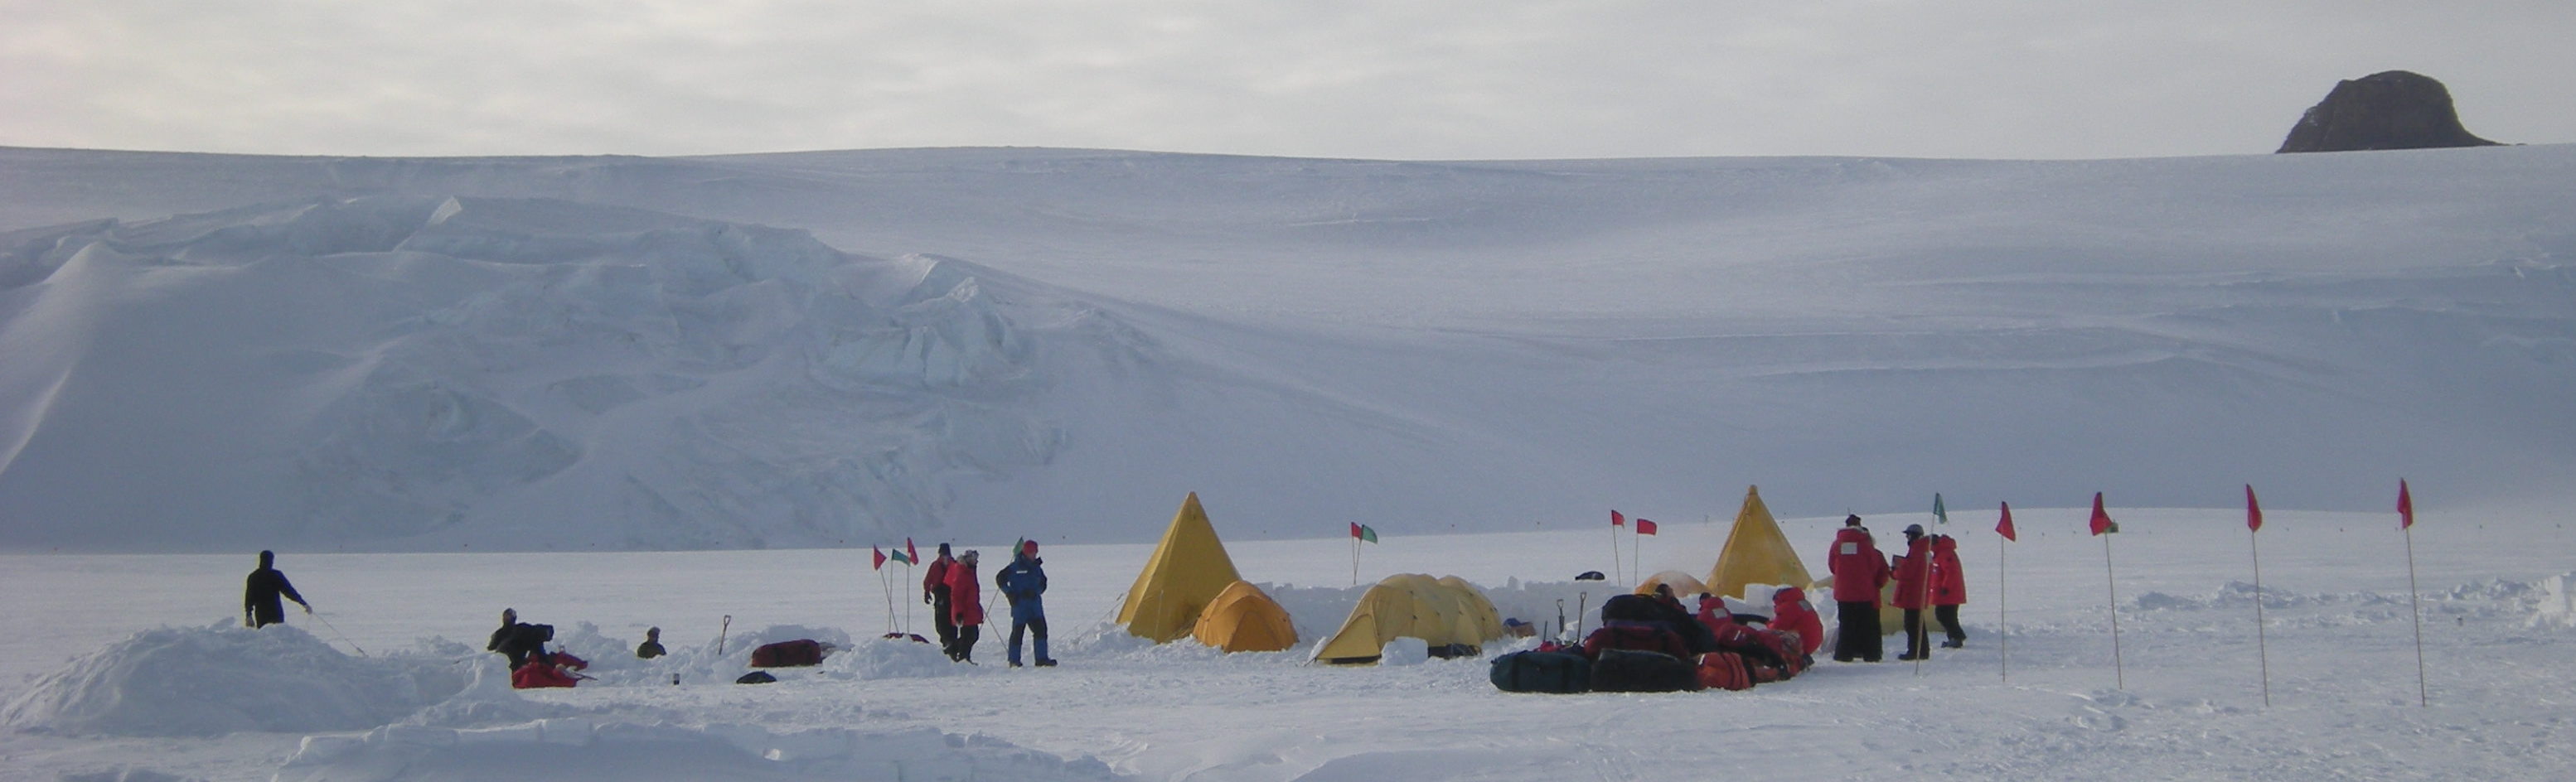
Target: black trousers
{"x":1949,"y":616}
{"x":1918,"y":639}
{"x":1858,"y":638}
{"x":965,"y":647}
{"x":939,"y":618}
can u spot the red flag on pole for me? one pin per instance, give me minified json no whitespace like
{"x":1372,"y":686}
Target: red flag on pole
{"x":880,"y":563}
{"x":2004,"y":527}
{"x":2253,"y":510}
{"x":1645,"y":527}
{"x":2405,"y":506}
{"x":1355,"y":529}
{"x":1617,"y":520}
{"x":911,"y":555}
{"x":2102,"y":522}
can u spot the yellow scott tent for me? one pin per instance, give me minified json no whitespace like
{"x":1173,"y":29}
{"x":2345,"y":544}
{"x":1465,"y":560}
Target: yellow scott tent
{"x":1188,"y":569}
{"x":1244,"y":619}
{"x":1444,"y":613}
{"x":1756,"y":552}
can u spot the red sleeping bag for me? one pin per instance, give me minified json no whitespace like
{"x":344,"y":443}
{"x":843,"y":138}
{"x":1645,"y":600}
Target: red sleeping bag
{"x":536,"y":674}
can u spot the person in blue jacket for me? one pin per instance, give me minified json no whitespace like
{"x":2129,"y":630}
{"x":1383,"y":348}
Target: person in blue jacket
{"x":1023,"y":582}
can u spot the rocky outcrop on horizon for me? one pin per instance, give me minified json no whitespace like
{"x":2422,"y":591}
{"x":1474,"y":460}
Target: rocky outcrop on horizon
{"x":2385,"y":110}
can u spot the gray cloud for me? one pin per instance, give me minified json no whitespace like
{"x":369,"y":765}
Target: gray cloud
{"x":1978,"y":78}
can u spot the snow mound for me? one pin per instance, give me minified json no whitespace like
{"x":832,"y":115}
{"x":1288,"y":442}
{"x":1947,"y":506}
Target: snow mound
{"x":581,"y":750}
{"x":890,"y":658}
{"x":224,"y":679}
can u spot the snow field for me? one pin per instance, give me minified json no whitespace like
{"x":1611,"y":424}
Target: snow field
{"x":2189,"y":705}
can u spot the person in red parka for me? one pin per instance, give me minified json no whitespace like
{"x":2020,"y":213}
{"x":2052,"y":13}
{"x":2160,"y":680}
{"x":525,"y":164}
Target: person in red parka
{"x":1914,"y":591}
{"x":934,"y":590}
{"x":1859,"y":570}
{"x":966,"y":606}
{"x":1949,"y":590}
{"x":1790,"y":612}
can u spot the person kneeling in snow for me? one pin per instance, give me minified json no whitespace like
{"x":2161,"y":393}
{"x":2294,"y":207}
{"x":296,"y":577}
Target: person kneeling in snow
{"x":1024,"y":581}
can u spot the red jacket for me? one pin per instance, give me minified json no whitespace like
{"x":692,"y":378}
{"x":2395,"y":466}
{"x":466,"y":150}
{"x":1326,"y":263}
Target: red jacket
{"x":965,"y":597}
{"x":1859,"y":570}
{"x":1789,"y":611}
{"x":1949,"y":587}
{"x":938,"y":574}
{"x":1914,"y":575}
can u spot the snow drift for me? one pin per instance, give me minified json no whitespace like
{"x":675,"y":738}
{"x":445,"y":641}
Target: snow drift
{"x":224,"y":679}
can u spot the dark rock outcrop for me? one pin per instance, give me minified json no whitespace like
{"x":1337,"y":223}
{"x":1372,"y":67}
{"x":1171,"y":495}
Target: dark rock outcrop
{"x":2386,"y":110}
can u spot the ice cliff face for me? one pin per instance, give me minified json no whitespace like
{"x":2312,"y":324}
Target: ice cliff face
{"x":423,"y":371}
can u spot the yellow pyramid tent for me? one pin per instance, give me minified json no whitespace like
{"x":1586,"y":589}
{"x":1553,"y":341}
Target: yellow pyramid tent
{"x":1756,"y":552}
{"x":1188,"y":570}
{"x":1244,"y":619}
{"x":1444,"y":613}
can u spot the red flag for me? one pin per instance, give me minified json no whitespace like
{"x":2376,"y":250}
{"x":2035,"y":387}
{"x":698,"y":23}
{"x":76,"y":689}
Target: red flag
{"x":2405,"y":506}
{"x":1617,"y":520}
{"x":2253,"y":510}
{"x":1355,"y":529}
{"x":911,"y":555}
{"x":2005,"y":527}
{"x":880,"y":563}
{"x":2102,"y":520}
{"x":1645,"y":527}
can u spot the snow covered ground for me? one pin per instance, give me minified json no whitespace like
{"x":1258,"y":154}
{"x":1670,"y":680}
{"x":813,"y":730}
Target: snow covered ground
{"x":167,"y":686}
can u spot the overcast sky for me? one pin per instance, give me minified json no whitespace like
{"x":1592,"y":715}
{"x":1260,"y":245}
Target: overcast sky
{"x":1440,"y":79}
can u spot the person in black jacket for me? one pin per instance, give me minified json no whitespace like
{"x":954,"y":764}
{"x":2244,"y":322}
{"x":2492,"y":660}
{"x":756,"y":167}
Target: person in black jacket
{"x":652,"y":645}
{"x":260,"y":606}
{"x":521,"y":641}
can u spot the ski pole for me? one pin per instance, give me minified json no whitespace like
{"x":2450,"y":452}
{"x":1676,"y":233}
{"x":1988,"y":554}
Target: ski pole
{"x":344,"y":637}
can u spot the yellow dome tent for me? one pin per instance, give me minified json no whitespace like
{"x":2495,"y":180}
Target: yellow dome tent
{"x":1756,"y":552}
{"x":1244,"y":619}
{"x":1188,"y":570}
{"x":1684,"y":586}
{"x":1444,"y":613}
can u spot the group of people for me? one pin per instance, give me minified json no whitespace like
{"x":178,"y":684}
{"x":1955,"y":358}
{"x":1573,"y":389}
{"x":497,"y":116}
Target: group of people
{"x":956,"y":601}
{"x":1927,"y":575}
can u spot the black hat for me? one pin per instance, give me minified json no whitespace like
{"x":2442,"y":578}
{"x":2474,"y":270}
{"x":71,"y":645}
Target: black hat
{"x":1851,"y":520}
{"x":1914,"y":530}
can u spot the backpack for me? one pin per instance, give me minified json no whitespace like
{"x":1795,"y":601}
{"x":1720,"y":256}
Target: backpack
{"x":1536,"y":671}
{"x":785,"y":654}
{"x":1635,"y":636}
{"x":1725,"y":671}
{"x":1635,"y":608}
{"x":1621,"y":670}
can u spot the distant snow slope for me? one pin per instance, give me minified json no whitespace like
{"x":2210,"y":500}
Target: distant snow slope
{"x":612,"y":352}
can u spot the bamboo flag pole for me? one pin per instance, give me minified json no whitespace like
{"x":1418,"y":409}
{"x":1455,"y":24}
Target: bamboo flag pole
{"x":2406,"y":524}
{"x":2004,"y":533}
{"x":1616,"y":521}
{"x":888,"y":586}
{"x":2103,"y":527}
{"x":2253,"y":534}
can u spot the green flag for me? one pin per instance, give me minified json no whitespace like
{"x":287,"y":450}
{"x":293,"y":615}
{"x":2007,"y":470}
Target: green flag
{"x":1939,"y":512}
{"x":1368,"y":533}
